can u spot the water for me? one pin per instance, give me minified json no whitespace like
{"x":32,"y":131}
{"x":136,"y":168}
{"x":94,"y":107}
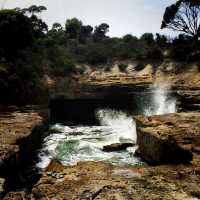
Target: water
{"x":71,"y":145}
{"x":161,"y":102}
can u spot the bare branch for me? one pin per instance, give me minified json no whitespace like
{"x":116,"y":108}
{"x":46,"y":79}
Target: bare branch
{"x":184,"y":17}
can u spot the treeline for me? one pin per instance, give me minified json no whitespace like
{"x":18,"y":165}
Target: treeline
{"x":29,"y":50}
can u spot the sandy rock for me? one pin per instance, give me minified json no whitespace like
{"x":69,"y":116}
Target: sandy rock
{"x":170,"y":138}
{"x":20,"y":131}
{"x":15,"y":126}
{"x":97,"y":180}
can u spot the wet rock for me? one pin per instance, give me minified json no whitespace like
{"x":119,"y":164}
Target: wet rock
{"x":54,"y":166}
{"x":171,"y":138}
{"x":117,"y":147}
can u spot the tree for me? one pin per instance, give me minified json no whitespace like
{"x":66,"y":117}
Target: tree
{"x":39,"y":26}
{"x":184,"y":17}
{"x":15,"y":33}
{"x":129,"y":38}
{"x":148,"y":38}
{"x":85,"y":33}
{"x":100,"y":31}
{"x":161,"y":41}
{"x":32,"y":10}
{"x":73,"y":28}
{"x":57,"y":27}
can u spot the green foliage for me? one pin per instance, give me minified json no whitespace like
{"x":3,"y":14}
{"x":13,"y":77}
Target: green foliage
{"x":20,"y":58}
{"x":28,"y":50}
{"x":56,"y":27}
{"x":15,"y":33}
{"x":162,"y":41}
{"x":39,"y":27}
{"x":184,"y":49}
{"x":85,"y":33}
{"x":148,"y":38}
{"x":96,"y":54}
{"x":73,"y":28}
{"x":34,"y":9}
{"x":100,"y":32}
{"x":63,"y":67}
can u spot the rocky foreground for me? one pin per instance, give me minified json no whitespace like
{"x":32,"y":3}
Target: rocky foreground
{"x":96,"y":180}
{"x":19,"y":130}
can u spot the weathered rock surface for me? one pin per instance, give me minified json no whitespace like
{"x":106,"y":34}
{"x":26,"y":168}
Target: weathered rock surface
{"x":117,"y":147}
{"x":179,"y":133}
{"x":100,"y":181}
{"x":182,"y":79}
{"x":170,"y":138}
{"x":15,"y":126}
{"x":20,"y":132}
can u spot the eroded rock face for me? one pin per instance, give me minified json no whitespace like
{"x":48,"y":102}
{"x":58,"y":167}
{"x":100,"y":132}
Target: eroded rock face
{"x":20,"y":133}
{"x":15,"y":126}
{"x":170,"y":138}
{"x":182,"y":79}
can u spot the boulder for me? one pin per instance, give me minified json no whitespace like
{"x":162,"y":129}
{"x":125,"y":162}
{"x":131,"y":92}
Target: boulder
{"x":117,"y":147}
{"x":170,"y":138}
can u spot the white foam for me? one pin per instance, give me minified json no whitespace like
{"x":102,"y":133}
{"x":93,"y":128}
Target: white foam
{"x":160,"y":102}
{"x":124,"y":125}
{"x":85,"y":143}
{"x":71,"y":145}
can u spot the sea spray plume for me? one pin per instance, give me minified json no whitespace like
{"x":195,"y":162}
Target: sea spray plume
{"x":125,"y":124}
{"x":162,"y":102}
{"x":71,"y":145}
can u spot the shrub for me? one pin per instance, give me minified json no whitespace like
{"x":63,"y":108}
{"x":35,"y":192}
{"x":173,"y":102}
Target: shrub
{"x":122,"y":67}
{"x":139,"y":67}
{"x":63,"y":67}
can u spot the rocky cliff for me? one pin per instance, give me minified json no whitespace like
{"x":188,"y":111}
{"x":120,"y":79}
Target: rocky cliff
{"x":20,"y":133}
{"x":181,"y":78}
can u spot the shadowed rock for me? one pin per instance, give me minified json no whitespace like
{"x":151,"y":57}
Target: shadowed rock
{"x":117,"y":147}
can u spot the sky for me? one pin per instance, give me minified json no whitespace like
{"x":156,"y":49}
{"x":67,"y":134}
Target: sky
{"x":124,"y":16}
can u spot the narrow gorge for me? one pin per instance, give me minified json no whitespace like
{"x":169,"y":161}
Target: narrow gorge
{"x":130,"y":140}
